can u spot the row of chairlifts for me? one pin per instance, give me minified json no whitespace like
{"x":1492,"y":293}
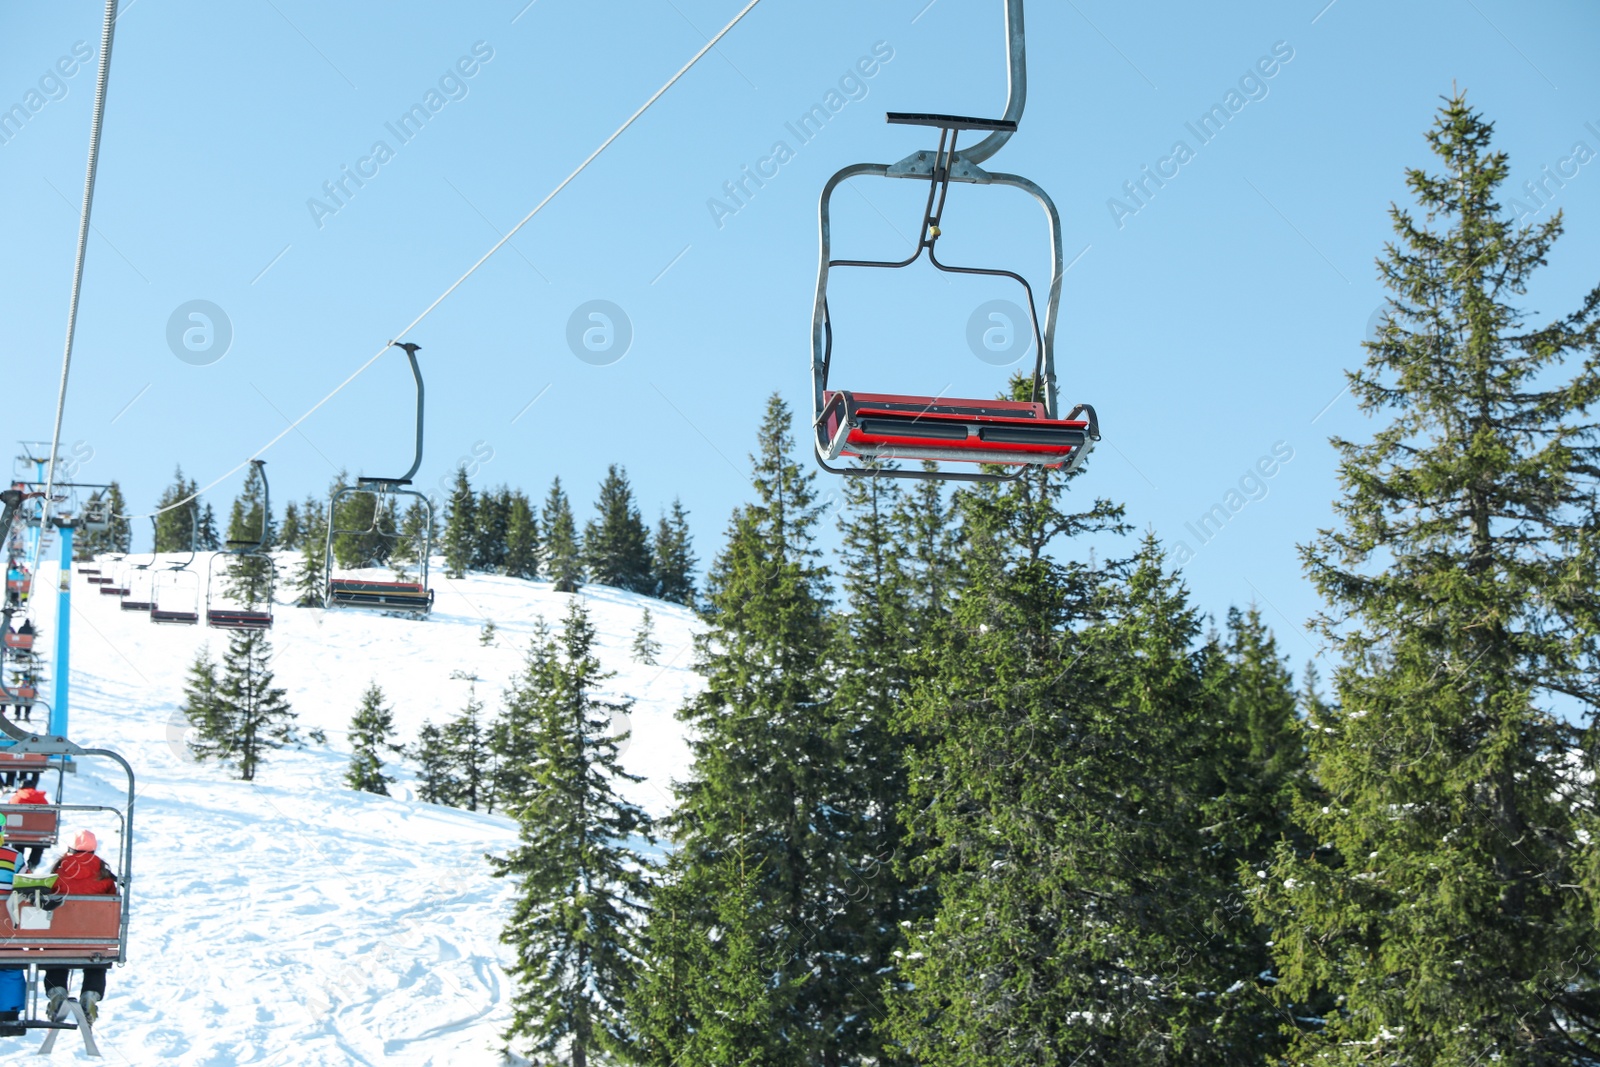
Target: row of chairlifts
{"x":39,"y":930}
{"x":881,"y":427}
{"x":176,"y":595}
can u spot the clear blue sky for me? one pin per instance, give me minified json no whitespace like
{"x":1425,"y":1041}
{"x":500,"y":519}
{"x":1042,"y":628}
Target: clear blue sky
{"x":1210,"y":325}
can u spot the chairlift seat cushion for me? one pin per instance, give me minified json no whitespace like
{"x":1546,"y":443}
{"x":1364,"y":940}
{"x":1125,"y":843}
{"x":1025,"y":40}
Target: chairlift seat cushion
{"x":360,"y":593}
{"x":20,"y":642}
{"x":183,"y":617}
{"x":229,"y":619}
{"x":136,"y":605}
{"x":892,"y":426}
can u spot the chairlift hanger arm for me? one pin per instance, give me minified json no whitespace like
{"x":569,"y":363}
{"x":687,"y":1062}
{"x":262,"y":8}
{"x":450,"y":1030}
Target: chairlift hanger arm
{"x":410,"y":349}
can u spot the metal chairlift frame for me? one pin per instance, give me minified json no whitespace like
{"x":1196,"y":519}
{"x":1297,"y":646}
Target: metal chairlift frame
{"x":76,"y":936}
{"x":246,"y":619}
{"x":129,"y":601}
{"x":180,"y":618}
{"x":395,"y":598}
{"x":940,"y":168}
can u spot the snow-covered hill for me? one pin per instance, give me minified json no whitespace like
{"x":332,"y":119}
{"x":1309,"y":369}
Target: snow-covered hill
{"x":290,"y":920}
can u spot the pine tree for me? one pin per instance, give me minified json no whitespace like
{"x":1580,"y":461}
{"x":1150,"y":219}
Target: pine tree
{"x":176,"y":528}
{"x":1047,"y":803}
{"x":580,"y":887}
{"x":926,"y":524}
{"x":436,"y":781}
{"x":674,"y":562}
{"x":522,"y":539}
{"x":616,"y":544}
{"x":465,"y":743}
{"x":460,"y":527}
{"x":207,"y":537}
{"x":562,"y":565}
{"x":704,"y":995}
{"x":371,"y":734}
{"x":309,"y":581}
{"x":418,"y":533}
{"x":1452,"y":916}
{"x":765,"y":750}
{"x":491,"y":522}
{"x":250,"y":716}
{"x":289,"y":531}
{"x":513,"y":736}
{"x":210,"y":735}
{"x":645,"y":645}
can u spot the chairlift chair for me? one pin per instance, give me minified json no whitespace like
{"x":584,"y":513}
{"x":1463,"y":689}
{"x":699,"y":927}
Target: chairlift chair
{"x":175,"y":590}
{"x":138,"y":594}
{"x":226,"y":616}
{"x":31,"y":825}
{"x":396,"y":598}
{"x":879,"y":427}
{"x":72,"y":931}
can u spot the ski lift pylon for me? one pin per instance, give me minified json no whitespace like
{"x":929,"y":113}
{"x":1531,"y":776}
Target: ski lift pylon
{"x":394,"y":597}
{"x":878,"y":427}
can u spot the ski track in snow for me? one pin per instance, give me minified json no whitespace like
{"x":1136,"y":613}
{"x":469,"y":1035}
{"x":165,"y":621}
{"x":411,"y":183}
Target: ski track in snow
{"x":291,"y":920}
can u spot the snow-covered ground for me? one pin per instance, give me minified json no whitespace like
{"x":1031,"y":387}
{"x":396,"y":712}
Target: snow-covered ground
{"x":291,"y":920}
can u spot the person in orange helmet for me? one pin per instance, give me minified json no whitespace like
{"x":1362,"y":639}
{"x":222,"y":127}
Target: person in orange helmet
{"x":80,"y":873}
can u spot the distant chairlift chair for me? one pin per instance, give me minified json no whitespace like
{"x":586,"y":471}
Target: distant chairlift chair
{"x":175,"y":590}
{"x":221,"y":612}
{"x":397,"y":598}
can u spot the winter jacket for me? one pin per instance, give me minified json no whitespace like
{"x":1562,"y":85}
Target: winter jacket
{"x":83,"y":874}
{"x":10,"y":860}
{"x":28,"y":795}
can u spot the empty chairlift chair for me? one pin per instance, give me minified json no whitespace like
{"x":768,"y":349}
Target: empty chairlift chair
{"x":373,"y":594}
{"x":879,"y":427}
{"x":247,"y":564}
{"x":175,"y":590}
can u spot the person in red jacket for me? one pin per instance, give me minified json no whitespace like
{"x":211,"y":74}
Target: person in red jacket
{"x":80,"y":873}
{"x":30,"y":793}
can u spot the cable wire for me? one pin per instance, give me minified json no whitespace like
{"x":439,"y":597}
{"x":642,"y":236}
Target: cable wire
{"x":659,"y":93}
{"x":83,"y":245}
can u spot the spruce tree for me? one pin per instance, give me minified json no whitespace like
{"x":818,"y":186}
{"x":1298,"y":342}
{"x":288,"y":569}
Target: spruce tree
{"x":210,"y":735}
{"x":580,"y":887}
{"x":645,"y":646}
{"x":436,"y":781}
{"x":417,"y":531}
{"x":562,"y":564}
{"x":371,"y":734}
{"x":491,"y":522}
{"x":176,"y":528}
{"x":704,"y":995}
{"x":309,"y":585}
{"x":206,"y":538}
{"x":460,"y":527}
{"x":927,"y":529}
{"x":674,"y":562}
{"x":289,"y":530}
{"x":1452,"y":916}
{"x":250,"y":577}
{"x":251,"y":717}
{"x":513,"y":736}
{"x":466,"y":743}
{"x":766,"y":754}
{"x":1047,"y":801}
{"x":616,"y":544}
{"x":522,"y":539}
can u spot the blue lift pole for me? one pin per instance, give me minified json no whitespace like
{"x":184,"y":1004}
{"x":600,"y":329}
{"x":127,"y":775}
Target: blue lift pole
{"x":58,"y":710}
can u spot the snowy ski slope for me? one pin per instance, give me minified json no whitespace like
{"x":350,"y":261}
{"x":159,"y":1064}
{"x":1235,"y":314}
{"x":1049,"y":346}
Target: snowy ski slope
{"x":290,"y":920}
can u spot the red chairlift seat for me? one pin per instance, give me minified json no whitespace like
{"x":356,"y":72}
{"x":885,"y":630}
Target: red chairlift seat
{"x":136,"y":605}
{"x":238,"y":619}
{"x":31,"y":824}
{"x":89,"y":572}
{"x":83,"y":930}
{"x":393,"y":596}
{"x":20,"y":642}
{"x":891,"y":426}
{"x":182,"y":618}
{"x":113,"y":590}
